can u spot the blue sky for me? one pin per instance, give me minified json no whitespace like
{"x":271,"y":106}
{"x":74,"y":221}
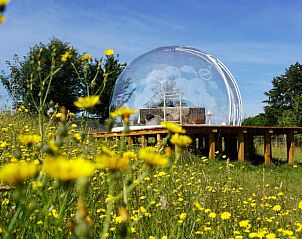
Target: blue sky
{"x":255,"y":39}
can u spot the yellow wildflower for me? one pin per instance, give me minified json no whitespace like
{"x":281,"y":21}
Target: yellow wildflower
{"x":109,"y":52}
{"x":245,"y":223}
{"x":300,"y":204}
{"x":53,"y":213}
{"x":29,"y":139}
{"x":173,"y":127}
{"x":36,"y":184}
{"x":4,"y":2}
{"x":124,"y":112}
{"x":225,"y":215}
{"x":111,"y":160}
{"x":276,"y":208}
{"x":212,"y":215}
{"x":151,"y":157}
{"x":68,"y":169}
{"x":86,"y":57}
{"x":164,"y":237}
{"x":3,"y":144}
{"x":129,"y":155}
{"x":198,"y":205}
{"x":271,"y":236}
{"x":87,"y":102}
{"x":17,"y":172}
{"x":67,"y":55}
{"x":180,"y":140}
{"x":115,"y":163}
{"x":59,"y":115}
{"x":4,"y":130}
{"x":182,"y":216}
{"x":2,"y":19}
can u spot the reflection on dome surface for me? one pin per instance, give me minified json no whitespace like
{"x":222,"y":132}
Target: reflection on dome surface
{"x":181,"y":84}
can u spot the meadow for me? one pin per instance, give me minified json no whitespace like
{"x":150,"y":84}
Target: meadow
{"x":58,"y":181}
{"x":75,"y":186}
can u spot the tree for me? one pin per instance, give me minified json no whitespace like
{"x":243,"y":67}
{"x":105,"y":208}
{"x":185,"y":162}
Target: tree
{"x":42,"y":70}
{"x":44,"y":73}
{"x":101,"y":77}
{"x":258,"y":120}
{"x":284,"y":104}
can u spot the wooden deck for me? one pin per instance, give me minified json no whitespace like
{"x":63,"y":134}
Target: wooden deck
{"x":235,"y":141}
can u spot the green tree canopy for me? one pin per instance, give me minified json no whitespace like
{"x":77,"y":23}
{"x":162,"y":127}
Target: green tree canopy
{"x":29,"y":78}
{"x":44,"y":70}
{"x":101,"y":76}
{"x":284,"y":103}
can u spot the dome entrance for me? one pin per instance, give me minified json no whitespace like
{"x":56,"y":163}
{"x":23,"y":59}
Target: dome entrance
{"x":180,"y":84}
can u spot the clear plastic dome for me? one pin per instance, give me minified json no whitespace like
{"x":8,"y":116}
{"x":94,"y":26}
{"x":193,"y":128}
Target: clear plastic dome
{"x":180,"y":84}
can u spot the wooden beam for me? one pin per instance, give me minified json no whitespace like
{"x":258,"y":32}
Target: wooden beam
{"x":290,"y":138}
{"x":267,"y":148}
{"x":211,"y":146}
{"x":241,"y":147}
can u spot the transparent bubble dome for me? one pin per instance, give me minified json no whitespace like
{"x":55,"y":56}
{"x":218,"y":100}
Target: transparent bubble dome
{"x":181,"y":84}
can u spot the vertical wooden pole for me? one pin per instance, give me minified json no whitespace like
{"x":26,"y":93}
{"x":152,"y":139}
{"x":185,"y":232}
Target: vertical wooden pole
{"x":267,"y":148}
{"x":158,"y":138}
{"x":290,"y":138}
{"x":211,"y":146}
{"x":241,"y":147}
{"x":143,"y":141}
{"x":130,"y":140}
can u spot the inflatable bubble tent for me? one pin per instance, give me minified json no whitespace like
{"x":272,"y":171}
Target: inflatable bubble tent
{"x":180,"y":84}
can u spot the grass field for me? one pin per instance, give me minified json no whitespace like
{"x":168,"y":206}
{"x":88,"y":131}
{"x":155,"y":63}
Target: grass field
{"x":190,"y":197}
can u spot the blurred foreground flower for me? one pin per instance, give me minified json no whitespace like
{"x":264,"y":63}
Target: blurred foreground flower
{"x":113,"y":161}
{"x":86,"y":57}
{"x":3,"y":4}
{"x":17,"y":172}
{"x":180,"y":140}
{"x":2,"y":19}
{"x":87,"y":102}
{"x":29,"y":139}
{"x":109,"y":52}
{"x":173,"y":127}
{"x":68,"y":169}
{"x":123,"y":112}
{"x":152,"y":158}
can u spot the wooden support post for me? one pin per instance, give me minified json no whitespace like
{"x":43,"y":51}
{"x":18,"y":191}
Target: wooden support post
{"x":267,"y":148}
{"x":211,"y":146}
{"x":290,"y":138}
{"x":158,"y":139}
{"x":241,"y":147}
{"x":130,"y":140}
{"x":143,"y":141}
